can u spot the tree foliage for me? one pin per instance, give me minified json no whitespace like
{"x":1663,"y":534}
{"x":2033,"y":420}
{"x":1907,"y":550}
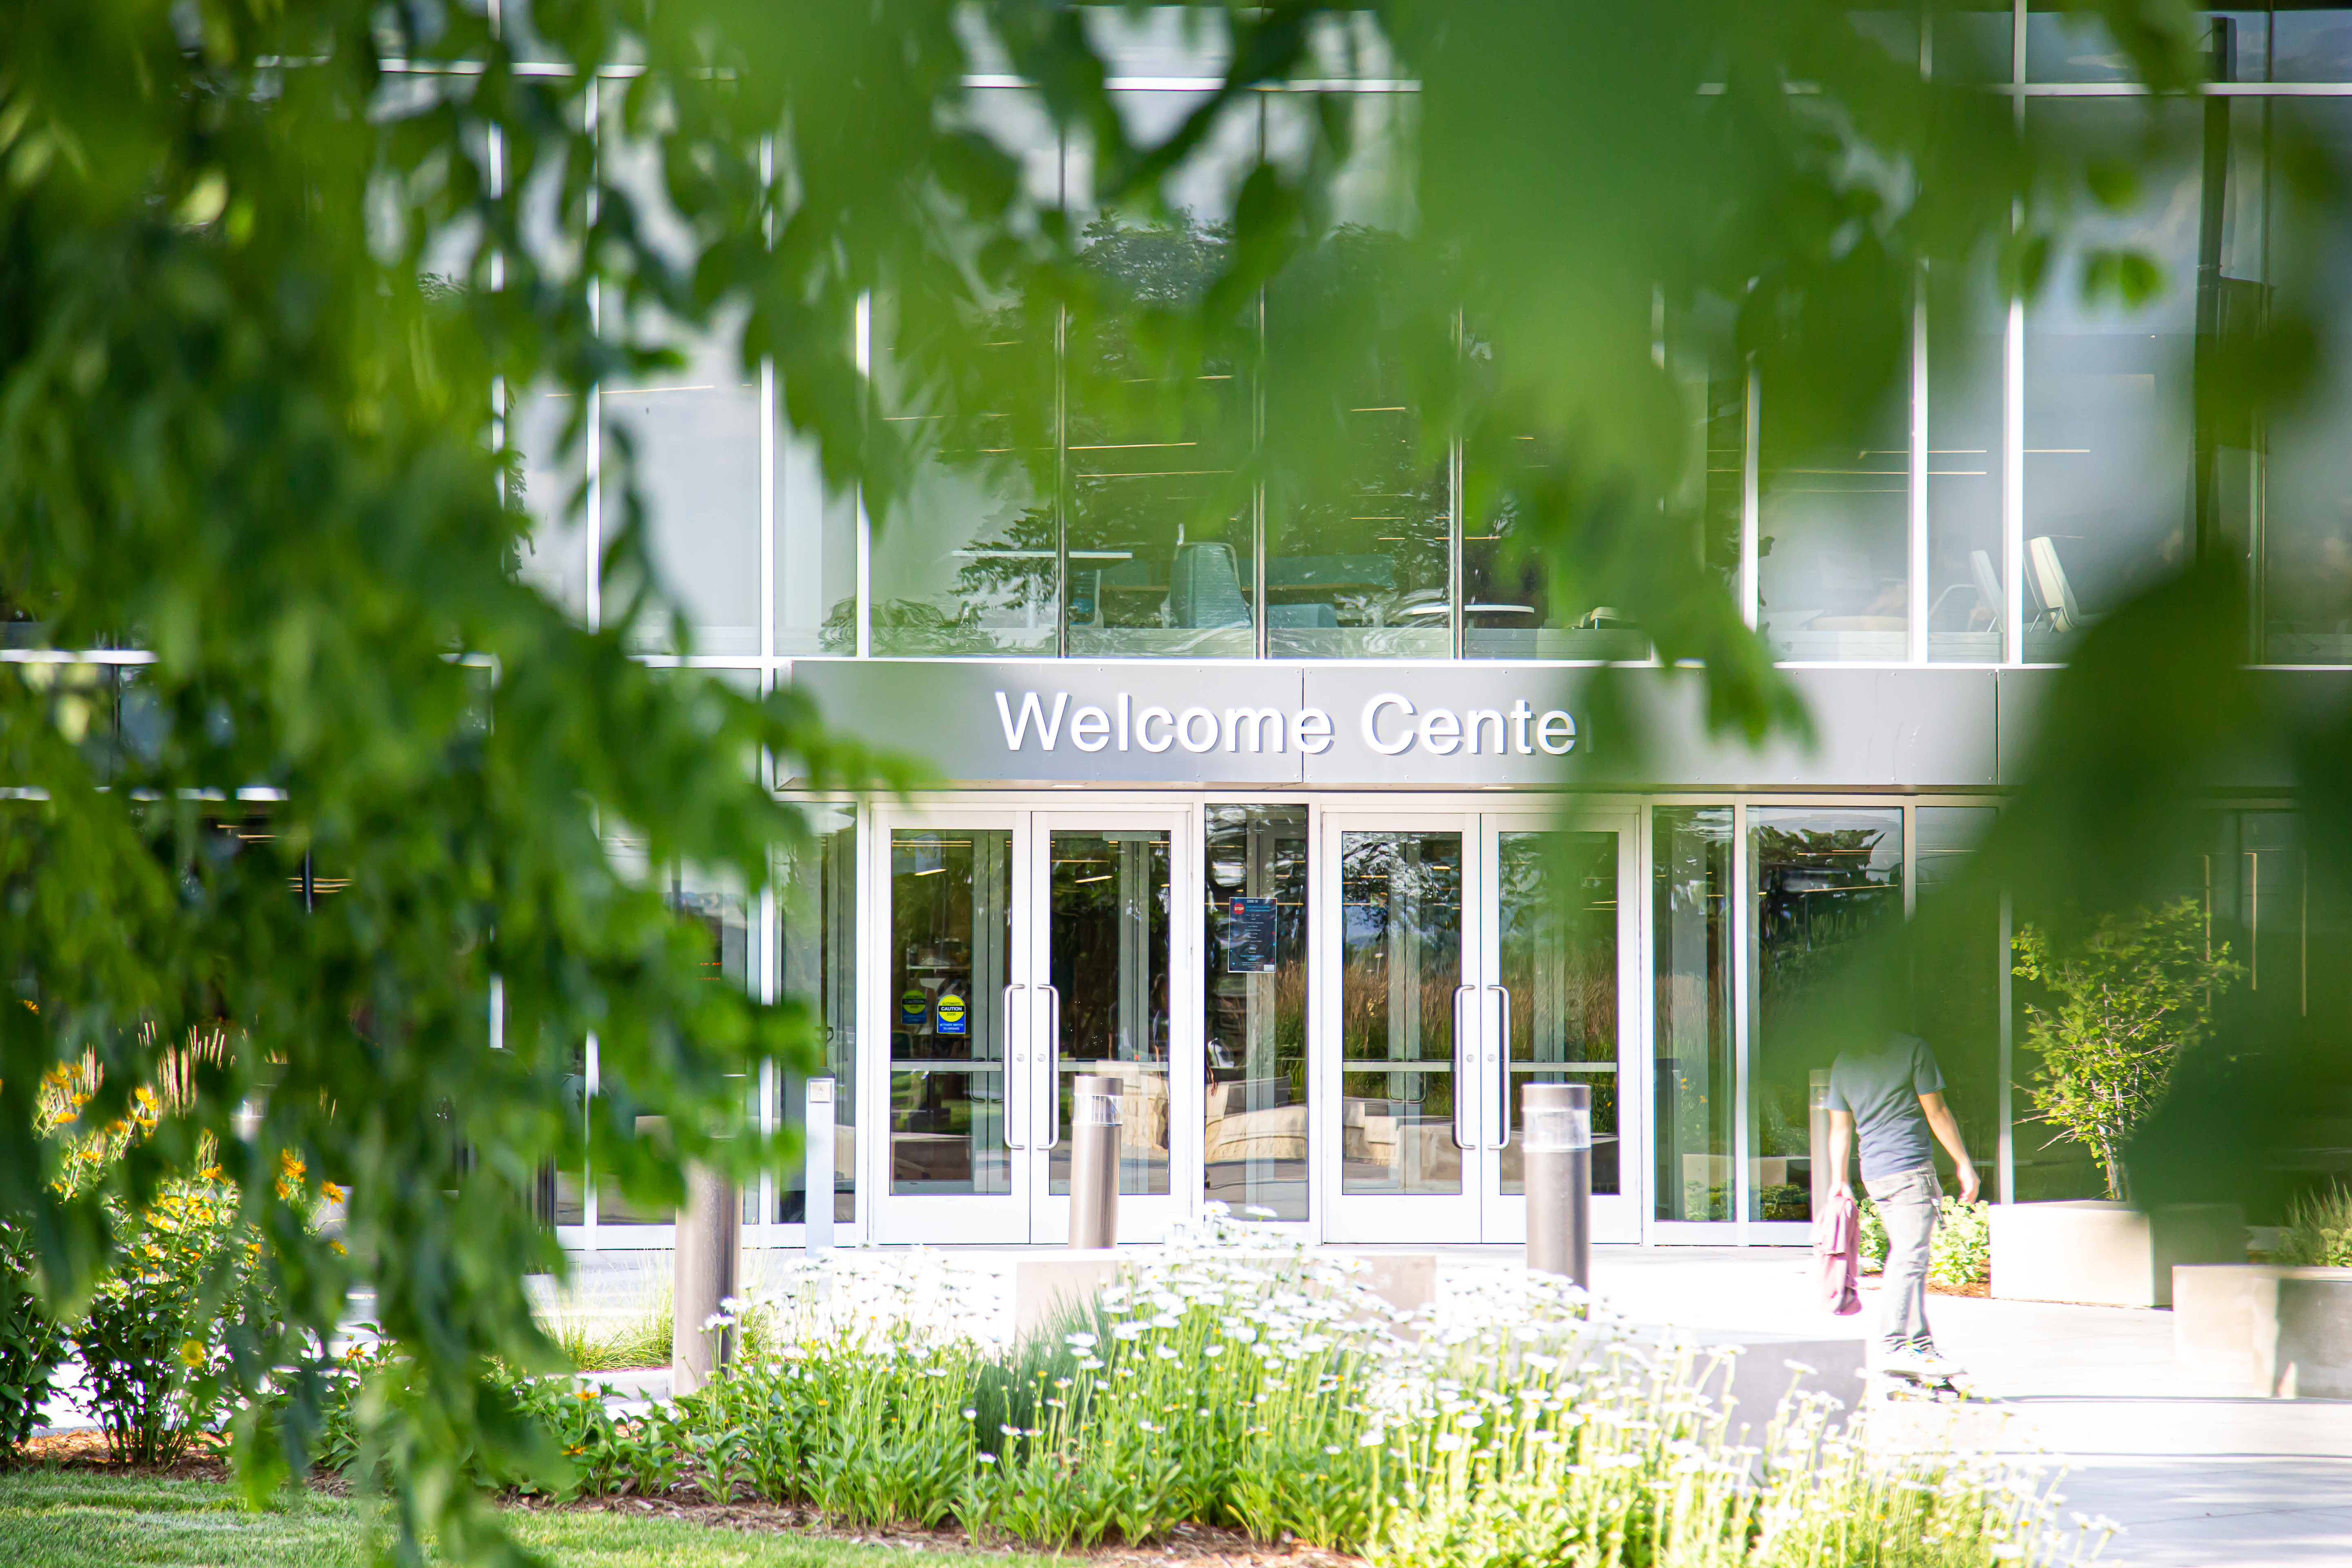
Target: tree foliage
{"x":2126,"y":1000}
{"x":243,"y":433}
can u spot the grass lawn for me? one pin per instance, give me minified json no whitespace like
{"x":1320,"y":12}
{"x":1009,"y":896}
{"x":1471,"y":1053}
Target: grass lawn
{"x":72,"y":1519}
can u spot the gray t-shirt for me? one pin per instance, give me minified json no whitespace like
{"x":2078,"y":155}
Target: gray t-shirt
{"x":1882,"y":1089}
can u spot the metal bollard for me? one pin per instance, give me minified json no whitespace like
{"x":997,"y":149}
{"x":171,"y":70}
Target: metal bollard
{"x":1094,"y":1160}
{"x":709,"y":1240}
{"x":1557,"y":1141}
{"x":816,"y":1178}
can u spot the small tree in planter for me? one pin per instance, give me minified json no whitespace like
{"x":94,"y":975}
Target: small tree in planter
{"x":2126,"y":1002}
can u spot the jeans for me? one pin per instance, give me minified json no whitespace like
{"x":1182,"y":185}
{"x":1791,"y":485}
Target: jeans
{"x":1908,"y":1203}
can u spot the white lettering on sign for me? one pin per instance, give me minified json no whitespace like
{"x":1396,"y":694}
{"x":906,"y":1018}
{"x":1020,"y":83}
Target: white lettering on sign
{"x":1392,"y":725}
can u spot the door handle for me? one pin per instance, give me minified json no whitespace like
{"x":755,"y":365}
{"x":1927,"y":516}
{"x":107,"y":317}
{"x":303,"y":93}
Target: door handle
{"x":1012,"y":1037}
{"x":1503,"y":1070}
{"x":1051,"y":1057}
{"x":1463,"y":1096}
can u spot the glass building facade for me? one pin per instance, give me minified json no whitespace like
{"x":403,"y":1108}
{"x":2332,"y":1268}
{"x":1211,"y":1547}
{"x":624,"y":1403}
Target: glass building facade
{"x":1323,"y":991}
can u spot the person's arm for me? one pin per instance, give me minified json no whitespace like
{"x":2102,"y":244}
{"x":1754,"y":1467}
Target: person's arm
{"x":1947,"y":1129}
{"x":1841,"y":1138}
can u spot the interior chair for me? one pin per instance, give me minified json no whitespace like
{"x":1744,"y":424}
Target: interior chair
{"x":1204,"y":588}
{"x":2060,"y":609}
{"x":1983,"y":583}
{"x":1988,"y":587}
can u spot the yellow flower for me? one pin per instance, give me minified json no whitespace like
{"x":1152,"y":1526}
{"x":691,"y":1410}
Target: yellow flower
{"x":193,"y":1353}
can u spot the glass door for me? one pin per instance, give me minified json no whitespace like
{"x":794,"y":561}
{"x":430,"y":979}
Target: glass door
{"x":1102,"y":961}
{"x":1398,"y":1104}
{"x":1556,"y":959}
{"x":961,"y":1021}
{"x":1472,"y":955}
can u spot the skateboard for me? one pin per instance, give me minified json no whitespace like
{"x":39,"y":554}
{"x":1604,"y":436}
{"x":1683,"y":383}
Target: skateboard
{"x":1950,"y":1388}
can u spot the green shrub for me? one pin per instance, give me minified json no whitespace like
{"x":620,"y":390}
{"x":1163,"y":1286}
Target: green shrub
{"x":1237,"y":1380}
{"x":2319,"y":1230}
{"x":30,"y":1345}
{"x":1960,"y":1253}
{"x":154,"y":1347}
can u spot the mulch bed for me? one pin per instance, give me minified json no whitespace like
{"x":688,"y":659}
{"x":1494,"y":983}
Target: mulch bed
{"x":1937,"y":1287}
{"x":1198,"y":1546}
{"x":205,"y":1460}
{"x":1192,"y":1545}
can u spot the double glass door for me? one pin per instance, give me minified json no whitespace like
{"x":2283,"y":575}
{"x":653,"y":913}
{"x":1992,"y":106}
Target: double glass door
{"x":1023,"y":949}
{"x":1469,"y":955}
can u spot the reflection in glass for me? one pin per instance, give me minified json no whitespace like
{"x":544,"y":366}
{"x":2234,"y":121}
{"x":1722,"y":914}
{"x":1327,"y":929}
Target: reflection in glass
{"x":1556,"y":906}
{"x":1161,"y":552}
{"x":1824,"y":882}
{"x":1694,"y":1097}
{"x":1256,"y":1145}
{"x":1400,"y":974}
{"x":1358,"y":508}
{"x":968,"y":562}
{"x":816,"y":946}
{"x":1109,"y":964}
{"x":950,"y":931}
{"x":817,"y":550}
{"x":1956,"y":971}
{"x":2253,"y":44}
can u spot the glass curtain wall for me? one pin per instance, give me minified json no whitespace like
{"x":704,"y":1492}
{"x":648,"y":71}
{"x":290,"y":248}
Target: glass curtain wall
{"x":950,"y":939}
{"x":1110,"y":912}
{"x":1556,"y":901}
{"x":816,"y":959}
{"x":1955,"y":976}
{"x":1399,"y":981}
{"x":1254,"y":995}
{"x":1823,"y":881}
{"x":1162,"y":513}
{"x":1694,"y":1095}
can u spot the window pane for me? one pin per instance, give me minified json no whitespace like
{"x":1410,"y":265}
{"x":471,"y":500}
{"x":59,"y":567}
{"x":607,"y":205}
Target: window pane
{"x":1256,"y":1155}
{"x":695,"y":433}
{"x":715,"y":902}
{"x":967,"y":562}
{"x":1690,"y":906}
{"x":816,"y":549}
{"x":951,"y":929}
{"x":817,"y":948}
{"x":1965,"y":598}
{"x":1109,"y":916}
{"x":2237,"y":45}
{"x":2108,"y":427}
{"x":1824,"y":882}
{"x":1557,"y":904}
{"x":1400,"y":965}
{"x":2304,"y":585}
{"x":546,"y":485}
{"x":1956,"y":974}
{"x":1833,"y":540}
{"x":1161,"y":511}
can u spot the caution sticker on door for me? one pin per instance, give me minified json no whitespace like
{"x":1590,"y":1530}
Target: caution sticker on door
{"x":952,"y":1014}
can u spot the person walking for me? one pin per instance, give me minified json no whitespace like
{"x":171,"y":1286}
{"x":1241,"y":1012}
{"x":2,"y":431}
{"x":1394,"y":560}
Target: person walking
{"x":1888,"y":1100}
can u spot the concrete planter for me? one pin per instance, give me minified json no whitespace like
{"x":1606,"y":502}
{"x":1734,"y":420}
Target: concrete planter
{"x":2275,"y":1331}
{"x":2107,"y":1254}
